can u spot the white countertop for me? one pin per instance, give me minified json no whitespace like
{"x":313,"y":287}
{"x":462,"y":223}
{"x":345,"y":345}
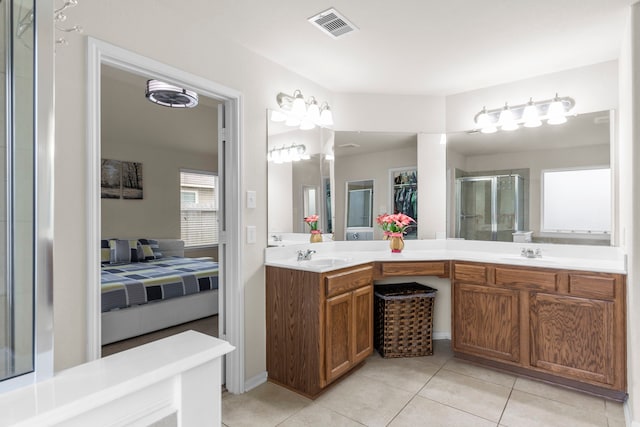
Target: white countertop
{"x":335,"y":255}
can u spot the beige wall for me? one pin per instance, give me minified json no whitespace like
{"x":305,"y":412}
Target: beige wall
{"x":157,"y":215}
{"x":199,"y":50}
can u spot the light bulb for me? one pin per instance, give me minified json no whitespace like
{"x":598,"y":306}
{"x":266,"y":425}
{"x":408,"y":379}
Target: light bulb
{"x":293,"y":154}
{"x":275,"y":155}
{"x":299,"y":107}
{"x":326,"y":117}
{"x":313,"y":112}
{"x":556,"y":113}
{"x":506,"y":121}
{"x":485,"y":122}
{"x":530,"y":115}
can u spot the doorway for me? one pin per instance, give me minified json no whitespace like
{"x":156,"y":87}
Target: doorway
{"x":229,"y":142}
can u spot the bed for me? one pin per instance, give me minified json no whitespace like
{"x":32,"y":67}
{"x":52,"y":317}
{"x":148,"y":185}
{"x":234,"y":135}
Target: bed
{"x":164,"y":290}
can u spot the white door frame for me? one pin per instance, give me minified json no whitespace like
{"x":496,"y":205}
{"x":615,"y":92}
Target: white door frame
{"x":100,"y":52}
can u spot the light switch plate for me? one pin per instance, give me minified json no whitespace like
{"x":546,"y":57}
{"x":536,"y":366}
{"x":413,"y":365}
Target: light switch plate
{"x":251,"y":234}
{"x":251,"y":199}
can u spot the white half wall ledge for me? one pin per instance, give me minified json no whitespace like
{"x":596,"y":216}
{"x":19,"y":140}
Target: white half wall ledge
{"x":179,"y":375}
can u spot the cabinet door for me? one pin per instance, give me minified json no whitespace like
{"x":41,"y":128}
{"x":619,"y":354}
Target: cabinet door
{"x":573,"y":337}
{"x":362,"y":323}
{"x":486,"y":321}
{"x":339,"y":335}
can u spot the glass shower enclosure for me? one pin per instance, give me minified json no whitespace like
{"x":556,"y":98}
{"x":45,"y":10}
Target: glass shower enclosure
{"x":489,"y":207}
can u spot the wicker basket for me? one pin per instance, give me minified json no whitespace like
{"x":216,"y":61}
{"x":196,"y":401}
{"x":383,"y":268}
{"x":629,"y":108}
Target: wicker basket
{"x":403,"y":320}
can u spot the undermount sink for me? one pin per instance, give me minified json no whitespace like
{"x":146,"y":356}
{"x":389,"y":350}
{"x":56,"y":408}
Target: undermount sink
{"x":326,"y":262}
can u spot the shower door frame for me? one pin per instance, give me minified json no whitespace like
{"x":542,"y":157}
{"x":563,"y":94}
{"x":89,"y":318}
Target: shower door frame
{"x":494,"y":202}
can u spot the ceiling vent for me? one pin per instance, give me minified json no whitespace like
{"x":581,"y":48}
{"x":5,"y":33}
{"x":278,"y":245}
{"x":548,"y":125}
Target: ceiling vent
{"x":333,"y":23}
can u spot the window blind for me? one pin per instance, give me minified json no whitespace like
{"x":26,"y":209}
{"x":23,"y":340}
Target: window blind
{"x":198,"y":208}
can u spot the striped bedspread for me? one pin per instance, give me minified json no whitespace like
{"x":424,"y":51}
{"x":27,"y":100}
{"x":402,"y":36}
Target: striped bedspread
{"x":142,"y":282}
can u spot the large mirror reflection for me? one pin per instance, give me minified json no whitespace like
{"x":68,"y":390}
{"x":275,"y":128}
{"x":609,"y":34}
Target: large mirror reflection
{"x":300,"y":182}
{"x":532,"y":184}
{"x":549,"y":184}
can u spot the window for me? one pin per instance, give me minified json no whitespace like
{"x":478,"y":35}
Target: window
{"x":198,"y":208}
{"x":576,"y":201}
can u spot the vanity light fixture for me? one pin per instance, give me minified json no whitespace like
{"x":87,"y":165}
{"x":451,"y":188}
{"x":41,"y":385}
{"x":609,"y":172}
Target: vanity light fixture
{"x":169,"y":95}
{"x":296,"y":111}
{"x":285,"y":154}
{"x":531,"y":114}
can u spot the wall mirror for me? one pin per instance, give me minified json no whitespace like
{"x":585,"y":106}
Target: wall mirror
{"x":300,"y":180}
{"x":335,"y":158}
{"x":379,"y":158}
{"x":495,"y":185}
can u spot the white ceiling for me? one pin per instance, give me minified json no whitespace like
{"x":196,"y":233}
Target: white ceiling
{"x":428,"y":47}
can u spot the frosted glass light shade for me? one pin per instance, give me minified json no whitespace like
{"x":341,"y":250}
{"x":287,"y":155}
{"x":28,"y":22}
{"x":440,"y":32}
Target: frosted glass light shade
{"x":556,"y":113}
{"x":506,"y":120}
{"x":530,"y":116}
{"x":299,"y":107}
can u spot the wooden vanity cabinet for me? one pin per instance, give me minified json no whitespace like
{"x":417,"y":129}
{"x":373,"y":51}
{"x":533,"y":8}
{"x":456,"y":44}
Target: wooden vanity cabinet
{"x":319,"y":325}
{"x":559,"y":325}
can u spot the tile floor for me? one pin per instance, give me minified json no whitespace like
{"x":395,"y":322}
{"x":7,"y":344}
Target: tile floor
{"x":430,"y":391}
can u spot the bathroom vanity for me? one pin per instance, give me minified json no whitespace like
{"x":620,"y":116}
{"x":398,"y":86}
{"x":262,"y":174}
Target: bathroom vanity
{"x":556,"y":318}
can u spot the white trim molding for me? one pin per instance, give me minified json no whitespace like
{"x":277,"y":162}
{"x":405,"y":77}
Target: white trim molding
{"x":255,"y":381}
{"x":232,"y":325}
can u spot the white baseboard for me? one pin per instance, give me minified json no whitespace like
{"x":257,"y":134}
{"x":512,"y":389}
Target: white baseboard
{"x":255,"y":381}
{"x":442,"y":336}
{"x":629,"y":422}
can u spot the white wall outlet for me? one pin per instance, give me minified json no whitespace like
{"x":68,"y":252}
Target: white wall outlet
{"x":251,"y":234}
{"x":251,"y":199}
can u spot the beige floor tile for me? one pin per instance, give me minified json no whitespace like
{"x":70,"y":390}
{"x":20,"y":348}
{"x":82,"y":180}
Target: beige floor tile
{"x":441,"y":352}
{"x":407,"y":373}
{"x":486,"y":400}
{"x":315,"y":415}
{"x":425,"y":412}
{"x":614,"y":410}
{"x":365,"y":400}
{"x":265,"y":405}
{"x":570,"y":397}
{"x":485,"y":374}
{"x":528,"y":410}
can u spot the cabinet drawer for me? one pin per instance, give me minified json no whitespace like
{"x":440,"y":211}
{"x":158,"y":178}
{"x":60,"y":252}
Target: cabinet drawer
{"x":470,"y":273}
{"x":424,"y":268}
{"x":584,"y":285}
{"x":347,"y":280}
{"x":527,"y":279}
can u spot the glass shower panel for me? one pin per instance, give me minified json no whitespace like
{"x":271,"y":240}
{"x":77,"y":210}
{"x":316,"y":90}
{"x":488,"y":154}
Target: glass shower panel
{"x":506,"y":199}
{"x":17,"y":202}
{"x":475,"y":209}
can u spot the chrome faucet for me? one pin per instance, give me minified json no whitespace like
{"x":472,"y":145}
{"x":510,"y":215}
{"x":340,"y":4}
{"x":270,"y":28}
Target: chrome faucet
{"x":277,"y":238}
{"x":305,"y":255}
{"x":530,"y":253}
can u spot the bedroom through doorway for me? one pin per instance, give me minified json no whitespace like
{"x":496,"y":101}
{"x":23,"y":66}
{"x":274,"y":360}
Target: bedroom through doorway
{"x":230,"y":292}
{"x":160,"y":193}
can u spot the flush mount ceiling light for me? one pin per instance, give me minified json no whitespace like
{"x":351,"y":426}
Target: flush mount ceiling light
{"x":553,"y":111}
{"x":295,"y":110}
{"x":285,"y":154}
{"x":169,"y":95}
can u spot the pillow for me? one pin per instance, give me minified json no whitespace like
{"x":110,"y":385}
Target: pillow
{"x":105,"y":252}
{"x":148,"y":249}
{"x":123,"y":251}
